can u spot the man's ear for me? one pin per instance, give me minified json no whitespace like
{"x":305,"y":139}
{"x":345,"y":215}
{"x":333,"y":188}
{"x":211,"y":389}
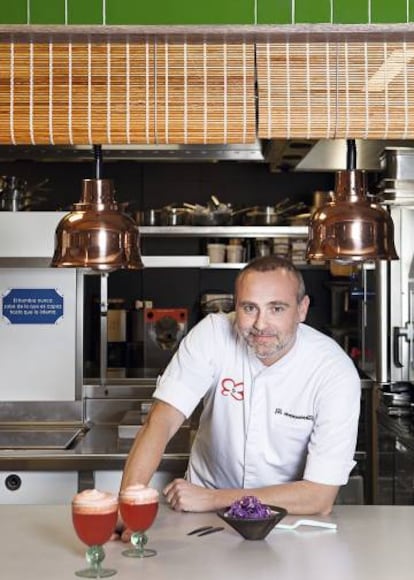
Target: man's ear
{"x":303,"y":308}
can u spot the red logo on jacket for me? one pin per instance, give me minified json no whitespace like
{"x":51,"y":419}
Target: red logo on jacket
{"x":230,"y":387}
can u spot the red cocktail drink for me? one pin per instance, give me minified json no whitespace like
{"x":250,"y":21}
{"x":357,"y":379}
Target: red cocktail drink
{"x":138,"y":517}
{"x":138,"y":506}
{"x":94,"y":516}
{"x":94,"y":529}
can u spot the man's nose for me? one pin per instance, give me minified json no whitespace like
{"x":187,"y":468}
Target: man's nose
{"x":260,"y":321}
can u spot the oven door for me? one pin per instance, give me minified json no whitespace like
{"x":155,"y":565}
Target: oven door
{"x":401,"y":299}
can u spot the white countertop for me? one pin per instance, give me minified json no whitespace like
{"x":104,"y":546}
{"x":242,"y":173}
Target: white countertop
{"x":370,"y":543}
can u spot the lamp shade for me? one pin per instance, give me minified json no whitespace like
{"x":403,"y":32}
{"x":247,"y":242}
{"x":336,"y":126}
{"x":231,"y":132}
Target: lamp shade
{"x":351,"y":228}
{"x":96,"y":234}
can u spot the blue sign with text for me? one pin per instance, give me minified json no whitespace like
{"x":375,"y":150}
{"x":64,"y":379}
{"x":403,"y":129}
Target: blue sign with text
{"x":32,"y":306}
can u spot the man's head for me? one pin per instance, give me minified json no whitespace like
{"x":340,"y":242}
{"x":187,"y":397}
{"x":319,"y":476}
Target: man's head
{"x":270,"y":303}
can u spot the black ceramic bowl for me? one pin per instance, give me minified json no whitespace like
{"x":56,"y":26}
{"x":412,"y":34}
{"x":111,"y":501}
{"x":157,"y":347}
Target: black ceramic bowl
{"x":254,"y":529}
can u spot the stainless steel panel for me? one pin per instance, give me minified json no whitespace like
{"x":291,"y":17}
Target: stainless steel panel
{"x":45,"y":412}
{"x":382,"y":358}
{"x":400,"y":332}
{"x":42,"y":362}
{"x":398,"y":163}
{"x":38,"y":487}
{"x":37,"y":438}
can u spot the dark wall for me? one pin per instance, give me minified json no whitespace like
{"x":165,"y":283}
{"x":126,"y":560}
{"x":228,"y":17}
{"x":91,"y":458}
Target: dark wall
{"x":146,"y":185}
{"x":149,"y":185}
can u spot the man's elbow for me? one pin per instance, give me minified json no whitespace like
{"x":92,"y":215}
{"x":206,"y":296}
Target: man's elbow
{"x":326,"y":509}
{"x":323,"y":499}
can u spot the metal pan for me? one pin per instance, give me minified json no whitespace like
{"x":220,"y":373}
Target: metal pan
{"x":262,"y":216}
{"x":165,"y":216}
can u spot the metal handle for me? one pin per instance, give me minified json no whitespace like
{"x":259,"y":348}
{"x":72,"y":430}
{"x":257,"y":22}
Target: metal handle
{"x":397,"y":334}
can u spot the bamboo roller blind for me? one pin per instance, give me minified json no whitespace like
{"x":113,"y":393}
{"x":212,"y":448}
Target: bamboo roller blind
{"x":159,"y":93}
{"x":126,"y":93}
{"x":336,"y":90}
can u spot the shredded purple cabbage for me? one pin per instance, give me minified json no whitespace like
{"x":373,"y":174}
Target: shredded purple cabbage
{"x":249,"y":507}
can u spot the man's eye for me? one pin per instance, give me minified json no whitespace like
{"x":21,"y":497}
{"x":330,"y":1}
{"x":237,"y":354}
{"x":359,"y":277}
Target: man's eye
{"x":248,"y":308}
{"x":278,"y":309}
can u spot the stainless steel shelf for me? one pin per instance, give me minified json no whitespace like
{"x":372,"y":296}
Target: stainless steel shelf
{"x":224,"y":231}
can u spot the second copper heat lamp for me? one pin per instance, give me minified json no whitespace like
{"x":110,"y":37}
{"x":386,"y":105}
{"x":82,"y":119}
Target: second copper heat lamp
{"x":351,"y":228}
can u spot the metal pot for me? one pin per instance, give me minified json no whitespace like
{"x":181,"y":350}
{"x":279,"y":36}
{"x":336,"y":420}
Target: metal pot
{"x":262,"y":216}
{"x":210,"y":218}
{"x":301,"y":219}
{"x":174,"y":216}
{"x":165,"y":216}
{"x":149,"y":217}
{"x":17,"y":195}
{"x":214,"y":213}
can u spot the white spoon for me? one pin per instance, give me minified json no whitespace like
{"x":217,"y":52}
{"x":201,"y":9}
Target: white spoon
{"x":315,"y":523}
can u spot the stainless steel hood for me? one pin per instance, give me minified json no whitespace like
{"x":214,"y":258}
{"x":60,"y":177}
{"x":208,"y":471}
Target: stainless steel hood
{"x":330,"y":154}
{"x":244,"y":152}
{"x":280,"y":155}
{"x":326,"y":154}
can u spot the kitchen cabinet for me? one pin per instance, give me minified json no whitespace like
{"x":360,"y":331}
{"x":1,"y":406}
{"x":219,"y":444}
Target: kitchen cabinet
{"x":395,"y":484}
{"x":38,"y":487}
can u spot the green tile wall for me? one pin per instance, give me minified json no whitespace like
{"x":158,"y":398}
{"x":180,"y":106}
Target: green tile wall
{"x":55,"y":13}
{"x":350,"y":12}
{"x":85,"y":12}
{"x":271,"y":12}
{"x":181,"y":12}
{"x":335,"y":11}
{"x":310,"y":11}
{"x":14,"y":12}
{"x":211,"y":12}
{"x":386,"y":11}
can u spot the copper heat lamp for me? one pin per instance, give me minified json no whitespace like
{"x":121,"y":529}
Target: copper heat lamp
{"x":96,"y":234}
{"x":351,"y":228}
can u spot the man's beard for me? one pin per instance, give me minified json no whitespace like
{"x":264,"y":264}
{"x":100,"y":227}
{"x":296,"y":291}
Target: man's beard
{"x":266,"y":350}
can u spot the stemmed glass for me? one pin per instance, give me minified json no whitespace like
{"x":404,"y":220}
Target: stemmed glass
{"x":138,"y":506}
{"x":94,"y":516}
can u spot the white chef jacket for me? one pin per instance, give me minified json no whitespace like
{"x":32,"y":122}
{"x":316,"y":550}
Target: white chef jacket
{"x":264,"y":425}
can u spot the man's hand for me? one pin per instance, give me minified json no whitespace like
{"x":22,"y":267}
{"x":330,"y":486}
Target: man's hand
{"x":187,"y":497}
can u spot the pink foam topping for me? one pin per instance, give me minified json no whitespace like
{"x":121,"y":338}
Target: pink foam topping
{"x":139,"y":494}
{"x":95,"y":501}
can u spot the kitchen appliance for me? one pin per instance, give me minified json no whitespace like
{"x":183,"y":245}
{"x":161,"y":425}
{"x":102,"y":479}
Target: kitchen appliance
{"x":386,"y":313}
{"x":41,"y":360}
{"x":388,"y":330}
{"x":116,"y":338}
{"x":163,"y":330}
{"x":216,"y":302}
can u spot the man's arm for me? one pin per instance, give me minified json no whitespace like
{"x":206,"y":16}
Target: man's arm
{"x":145,"y":455}
{"x":298,"y":497}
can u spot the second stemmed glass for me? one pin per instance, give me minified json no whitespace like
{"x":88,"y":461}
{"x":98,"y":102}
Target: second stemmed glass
{"x":138,"y":506}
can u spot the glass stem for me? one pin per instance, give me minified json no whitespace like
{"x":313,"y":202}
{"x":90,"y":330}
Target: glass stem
{"x":94,"y":557}
{"x":138,"y":540}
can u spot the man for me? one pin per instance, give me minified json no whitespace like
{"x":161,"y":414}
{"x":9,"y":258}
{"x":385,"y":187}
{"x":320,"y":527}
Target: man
{"x":280,"y":403}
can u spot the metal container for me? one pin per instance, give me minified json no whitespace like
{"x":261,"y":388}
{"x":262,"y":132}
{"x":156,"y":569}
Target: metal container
{"x":398,"y":163}
{"x":211,"y":218}
{"x":262,"y":216}
{"x":174,"y":216}
{"x":165,"y":216}
{"x":149,"y":217}
{"x":13,"y":194}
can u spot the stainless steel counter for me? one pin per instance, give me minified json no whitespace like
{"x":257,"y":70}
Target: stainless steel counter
{"x":371,"y":542}
{"x":99,"y":448}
